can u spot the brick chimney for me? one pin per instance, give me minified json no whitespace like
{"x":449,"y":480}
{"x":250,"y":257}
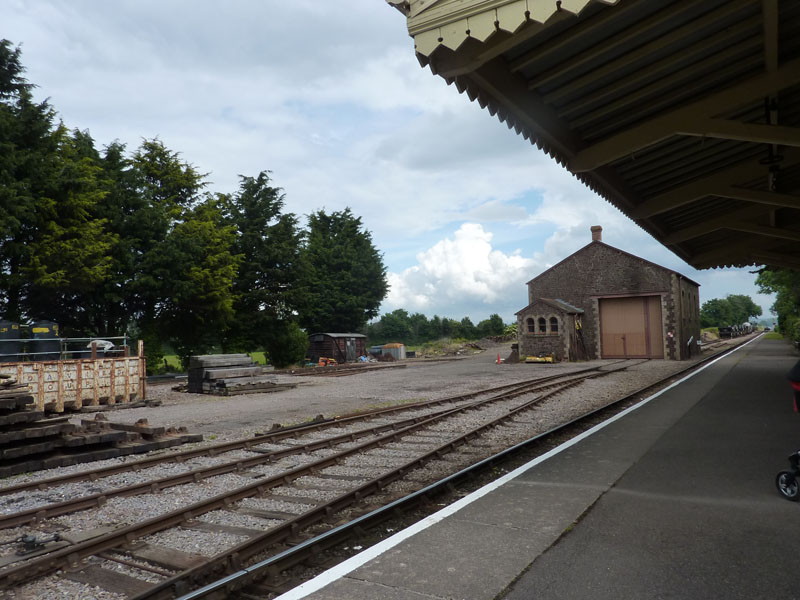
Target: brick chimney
{"x":597,"y":233}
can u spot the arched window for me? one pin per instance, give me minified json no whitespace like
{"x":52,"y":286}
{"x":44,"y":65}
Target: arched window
{"x":531,"y":326}
{"x":553,"y":325}
{"x":542,"y":325}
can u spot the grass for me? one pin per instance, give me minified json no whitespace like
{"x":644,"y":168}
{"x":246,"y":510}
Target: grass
{"x":174,"y":363}
{"x":773,"y":335}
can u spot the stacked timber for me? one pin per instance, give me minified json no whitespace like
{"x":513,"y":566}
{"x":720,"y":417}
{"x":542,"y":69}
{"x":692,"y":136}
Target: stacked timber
{"x":31,"y":441}
{"x":228,"y":375}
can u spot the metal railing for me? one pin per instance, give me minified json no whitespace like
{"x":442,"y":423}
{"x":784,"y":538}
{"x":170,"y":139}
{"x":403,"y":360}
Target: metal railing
{"x":68,"y":348}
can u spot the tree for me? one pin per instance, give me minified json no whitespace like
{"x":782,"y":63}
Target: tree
{"x":28,"y":145}
{"x":785,"y":284}
{"x":468,"y":330}
{"x":164,"y":188}
{"x":433,"y":330}
{"x":716,"y":312}
{"x":267,"y":285}
{"x":112,"y":304}
{"x":67,"y":253}
{"x":734,"y":309}
{"x":199,"y":268}
{"x":287,"y":345}
{"x":345,"y":278}
{"x":743,"y":308}
{"x":419,"y":326}
{"x":491,"y":326}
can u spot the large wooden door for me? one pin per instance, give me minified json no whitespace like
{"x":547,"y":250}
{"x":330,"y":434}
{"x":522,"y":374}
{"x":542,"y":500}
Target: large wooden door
{"x":631,"y":327}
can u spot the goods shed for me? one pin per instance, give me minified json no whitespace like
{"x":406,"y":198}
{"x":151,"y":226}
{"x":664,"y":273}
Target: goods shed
{"x":342,"y":347}
{"x":602,"y":302}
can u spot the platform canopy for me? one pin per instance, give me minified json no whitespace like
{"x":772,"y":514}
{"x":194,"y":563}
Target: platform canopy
{"x":683,"y":114}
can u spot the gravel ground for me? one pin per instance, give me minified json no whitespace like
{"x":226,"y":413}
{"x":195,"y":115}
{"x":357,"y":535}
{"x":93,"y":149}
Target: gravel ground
{"x":241,"y":416}
{"x":227,"y":418}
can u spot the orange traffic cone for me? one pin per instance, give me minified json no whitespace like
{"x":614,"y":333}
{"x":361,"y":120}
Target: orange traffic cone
{"x":498,"y":358}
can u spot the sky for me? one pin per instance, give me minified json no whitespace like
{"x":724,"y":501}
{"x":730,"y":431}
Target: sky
{"x":330,"y":98}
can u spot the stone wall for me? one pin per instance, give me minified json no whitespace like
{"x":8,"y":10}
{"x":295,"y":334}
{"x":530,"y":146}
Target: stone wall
{"x":601,"y":271}
{"x":539,"y":345}
{"x":536,"y":343}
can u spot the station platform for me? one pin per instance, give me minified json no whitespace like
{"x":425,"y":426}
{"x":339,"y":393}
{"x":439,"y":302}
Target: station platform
{"x":675,"y":498}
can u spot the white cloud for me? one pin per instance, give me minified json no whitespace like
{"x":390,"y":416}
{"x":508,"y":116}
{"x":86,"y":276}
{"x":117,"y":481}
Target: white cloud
{"x":463,"y":270}
{"x":334,"y":103}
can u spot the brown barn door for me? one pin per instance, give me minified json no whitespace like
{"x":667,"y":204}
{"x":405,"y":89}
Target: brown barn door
{"x":631,"y":327}
{"x":655,"y":329}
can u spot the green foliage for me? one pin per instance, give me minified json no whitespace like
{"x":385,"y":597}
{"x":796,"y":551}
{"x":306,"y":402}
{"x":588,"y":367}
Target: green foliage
{"x":716,"y":312}
{"x":734,"y":309}
{"x":492,"y":326}
{"x":267,"y":286}
{"x":344,"y":278}
{"x":287,"y":346}
{"x":67,"y":253}
{"x":468,"y":330}
{"x":197,"y":302}
{"x":744,"y":309}
{"x":417,"y":329}
{"x":28,"y":144}
{"x":785,"y":284}
{"x":106,"y":242}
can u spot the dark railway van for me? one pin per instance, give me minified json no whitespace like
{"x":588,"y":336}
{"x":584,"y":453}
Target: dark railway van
{"x":342,"y":347}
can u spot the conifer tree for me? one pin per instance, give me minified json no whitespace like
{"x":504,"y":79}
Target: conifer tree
{"x":345,"y":279}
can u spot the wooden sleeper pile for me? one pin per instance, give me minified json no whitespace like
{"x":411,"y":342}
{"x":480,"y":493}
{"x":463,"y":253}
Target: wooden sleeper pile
{"x":31,"y":441}
{"x":229,"y":375}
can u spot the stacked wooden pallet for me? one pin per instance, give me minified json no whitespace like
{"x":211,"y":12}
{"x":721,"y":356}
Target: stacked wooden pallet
{"x":228,"y":375}
{"x":31,"y":441}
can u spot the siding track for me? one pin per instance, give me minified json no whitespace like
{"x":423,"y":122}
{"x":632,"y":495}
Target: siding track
{"x":321,"y":472}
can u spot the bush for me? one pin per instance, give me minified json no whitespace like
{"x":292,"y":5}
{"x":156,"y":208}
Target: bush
{"x":287,"y":347}
{"x":790,"y":328}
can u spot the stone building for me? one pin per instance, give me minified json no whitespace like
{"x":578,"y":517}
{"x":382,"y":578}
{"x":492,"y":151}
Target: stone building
{"x":602,"y":302}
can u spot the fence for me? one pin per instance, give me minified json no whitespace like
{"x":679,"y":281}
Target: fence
{"x":70,"y":384}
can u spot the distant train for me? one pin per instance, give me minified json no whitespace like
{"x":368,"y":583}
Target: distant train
{"x":732,"y":331}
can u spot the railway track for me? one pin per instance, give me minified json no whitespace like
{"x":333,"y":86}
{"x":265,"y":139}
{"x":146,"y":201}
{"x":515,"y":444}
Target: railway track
{"x":277,"y":434}
{"x":327,"y":473}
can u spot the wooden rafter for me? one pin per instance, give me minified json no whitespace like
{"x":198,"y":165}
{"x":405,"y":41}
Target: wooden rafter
{"x":744,"y":132}
{"x":665,"y":126}
{"x":633,"y":81}
{"x":711,"y":225}
{"x":777,"y":260}
{"x":769,"y":10}
{"x":774,"y":232}
{"x":719,"y":184}
{"x":621,"y":40}
{"x":556,"y":46}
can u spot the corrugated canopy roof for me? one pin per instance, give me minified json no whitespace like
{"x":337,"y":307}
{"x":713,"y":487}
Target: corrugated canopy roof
{"x":683,"y":114}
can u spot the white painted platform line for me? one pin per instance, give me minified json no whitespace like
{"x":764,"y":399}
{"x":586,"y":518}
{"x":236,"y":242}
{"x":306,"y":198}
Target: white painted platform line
{"x":354,"y":562}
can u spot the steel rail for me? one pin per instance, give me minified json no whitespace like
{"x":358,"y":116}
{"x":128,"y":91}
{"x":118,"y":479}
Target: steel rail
{"x":233,"y":557}
{"x":72,"y":555}
{"x":98,"y":499}
{"x":245,"y":443}
{"x":290,"y":557}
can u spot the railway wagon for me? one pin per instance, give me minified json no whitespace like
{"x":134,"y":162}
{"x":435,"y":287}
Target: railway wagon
{"x":343,"y":347}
